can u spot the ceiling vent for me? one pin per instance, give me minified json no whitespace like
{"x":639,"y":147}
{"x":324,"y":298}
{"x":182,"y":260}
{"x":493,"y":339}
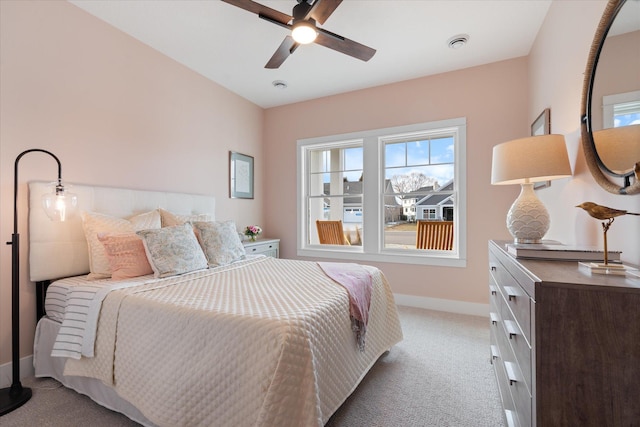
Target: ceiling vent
{"x":279,"y":84}
{"x":456,"y":42}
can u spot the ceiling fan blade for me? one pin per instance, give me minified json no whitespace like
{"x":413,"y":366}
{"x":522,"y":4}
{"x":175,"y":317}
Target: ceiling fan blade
{"x":259,"y":9}
{"x":344,"y":45}
{"x":322,"y":9}
{"x":286,"y":48}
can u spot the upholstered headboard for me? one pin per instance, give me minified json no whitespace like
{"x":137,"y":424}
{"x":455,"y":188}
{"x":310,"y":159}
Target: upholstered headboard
{"x":59,"y":249}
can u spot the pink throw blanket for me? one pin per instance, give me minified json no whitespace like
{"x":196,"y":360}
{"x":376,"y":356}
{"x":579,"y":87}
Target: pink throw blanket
{"x":358,"y":283}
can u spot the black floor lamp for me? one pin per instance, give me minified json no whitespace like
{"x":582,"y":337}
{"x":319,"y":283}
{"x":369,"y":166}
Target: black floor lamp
{"x":58,"y":205}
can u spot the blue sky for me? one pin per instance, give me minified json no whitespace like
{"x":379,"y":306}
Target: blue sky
{"x":433,"y":158}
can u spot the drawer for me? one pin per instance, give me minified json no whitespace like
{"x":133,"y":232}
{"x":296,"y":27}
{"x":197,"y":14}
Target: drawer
{"x":519,"y":345}
{"x":519,"y":392}
{"x":517,"y":299}
{"x":515,"y":376}
{"x":268,"y":252}
{"x":511,"y":336}
{"x":266,"y":248}
{"x":501,"y":378}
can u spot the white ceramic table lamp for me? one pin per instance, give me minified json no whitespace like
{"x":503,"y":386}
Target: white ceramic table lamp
{"x":526,"y":161}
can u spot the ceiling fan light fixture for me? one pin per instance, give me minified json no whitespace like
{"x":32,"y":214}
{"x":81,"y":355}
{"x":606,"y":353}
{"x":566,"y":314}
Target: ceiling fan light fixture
{"x":304,"y":32}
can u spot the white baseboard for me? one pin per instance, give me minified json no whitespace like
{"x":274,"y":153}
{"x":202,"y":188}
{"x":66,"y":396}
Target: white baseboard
{"x":452,"y":306}
{"x":26,"y":370}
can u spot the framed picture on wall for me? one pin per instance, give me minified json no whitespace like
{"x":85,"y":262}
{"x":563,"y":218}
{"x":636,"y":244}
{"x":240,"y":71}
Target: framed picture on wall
{"x":240,"y":176}
{"x":542,"y":126}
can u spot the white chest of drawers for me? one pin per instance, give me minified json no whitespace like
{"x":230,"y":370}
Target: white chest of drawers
{"x":268,"y":247}
{"x":565,"y":344}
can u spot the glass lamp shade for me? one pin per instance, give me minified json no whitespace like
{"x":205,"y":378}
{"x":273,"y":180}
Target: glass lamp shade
{"x":304,"y":32}
{"x":59,"y":205}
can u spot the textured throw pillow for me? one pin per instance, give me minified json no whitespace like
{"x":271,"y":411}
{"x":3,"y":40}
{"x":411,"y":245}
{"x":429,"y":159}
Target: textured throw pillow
{"x":126,"y":255}
{"x":170,"y":219}
{"x":96,"y":223}
{"x":220,"y":242}
{"x":173,"y":250}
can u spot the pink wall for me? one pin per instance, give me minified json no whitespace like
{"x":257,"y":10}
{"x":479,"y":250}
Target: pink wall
{"x":617,"y":69}
{"x":116,"y":113}
{"x":119,"y":113}
{"x":557,"y":66}
{"x":494,"y":100}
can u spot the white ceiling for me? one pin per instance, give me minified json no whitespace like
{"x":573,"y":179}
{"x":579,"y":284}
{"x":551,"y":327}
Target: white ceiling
{"x":230,"y":46}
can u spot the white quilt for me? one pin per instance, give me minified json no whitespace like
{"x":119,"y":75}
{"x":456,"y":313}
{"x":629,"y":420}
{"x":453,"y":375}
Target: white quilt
{"x":82,"y":304}
{"x":264,"y":342}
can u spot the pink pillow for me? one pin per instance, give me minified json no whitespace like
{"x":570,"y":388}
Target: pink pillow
{"x":126,"y":255}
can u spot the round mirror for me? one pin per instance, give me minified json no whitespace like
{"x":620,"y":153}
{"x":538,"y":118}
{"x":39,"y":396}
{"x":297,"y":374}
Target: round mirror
{"x":611,"y":100}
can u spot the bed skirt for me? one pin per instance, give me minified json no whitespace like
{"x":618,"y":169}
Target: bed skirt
{"x":53,"y":367}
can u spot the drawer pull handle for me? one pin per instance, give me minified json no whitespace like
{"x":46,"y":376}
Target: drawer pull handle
{"x":494,"y":318}
{"x":512,"y":328}
{"x":493,"y":290}
{"x":494,"y":353}
{"x":494,"y":268}
{"x":511,"y":292}
{"x":511,"y":374}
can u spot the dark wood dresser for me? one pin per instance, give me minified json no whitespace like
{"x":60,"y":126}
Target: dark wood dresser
{"x":565,"y":343}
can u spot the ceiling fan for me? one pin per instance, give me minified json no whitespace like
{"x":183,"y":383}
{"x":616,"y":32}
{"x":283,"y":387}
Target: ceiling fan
{"x":304,"y":30}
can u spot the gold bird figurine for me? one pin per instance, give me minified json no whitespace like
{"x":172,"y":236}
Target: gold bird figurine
{"x":603,"y":212}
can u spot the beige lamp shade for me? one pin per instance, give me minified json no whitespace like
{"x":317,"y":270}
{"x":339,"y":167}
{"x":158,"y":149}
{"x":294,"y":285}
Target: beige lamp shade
{"x":531,"y":159}
{"x":618,"y":148}
{"x":525,"y":161}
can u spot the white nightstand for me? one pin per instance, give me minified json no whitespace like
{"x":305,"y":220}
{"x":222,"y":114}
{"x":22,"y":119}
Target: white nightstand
{"x":268,"y":247}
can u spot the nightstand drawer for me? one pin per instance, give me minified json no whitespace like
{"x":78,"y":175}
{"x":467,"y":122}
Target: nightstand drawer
{"x":268,"y":247}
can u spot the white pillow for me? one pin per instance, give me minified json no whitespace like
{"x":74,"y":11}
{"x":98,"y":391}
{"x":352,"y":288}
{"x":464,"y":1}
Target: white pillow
{"x":95,"y":223}
{"x":220,"y":242}
{"x":169,"y":219}
{"x":173,"y":250}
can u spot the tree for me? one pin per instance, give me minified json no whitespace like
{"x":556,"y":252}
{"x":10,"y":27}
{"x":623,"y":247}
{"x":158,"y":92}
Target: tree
{"x":403,"y":185}
{"x":411,"y":182}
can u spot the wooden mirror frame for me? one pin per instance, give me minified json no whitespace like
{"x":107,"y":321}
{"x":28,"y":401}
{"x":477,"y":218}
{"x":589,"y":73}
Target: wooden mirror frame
{"x":588,"y":145}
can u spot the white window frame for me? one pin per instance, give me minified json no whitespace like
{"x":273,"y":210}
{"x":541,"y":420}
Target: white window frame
{"x":373,"y":192}
{"x":609,"y":103}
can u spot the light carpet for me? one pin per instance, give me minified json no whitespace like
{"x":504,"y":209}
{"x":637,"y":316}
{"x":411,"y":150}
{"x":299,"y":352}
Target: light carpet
{"x":439,"y":375}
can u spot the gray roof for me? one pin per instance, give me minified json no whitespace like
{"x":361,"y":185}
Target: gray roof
{"x":355,"y":187}
{"x":437,"y":199}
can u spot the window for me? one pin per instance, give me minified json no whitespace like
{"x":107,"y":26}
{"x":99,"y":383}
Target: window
{"x":429,"y":214}
{"x":379,"y":184}
{"x":621,"y":109}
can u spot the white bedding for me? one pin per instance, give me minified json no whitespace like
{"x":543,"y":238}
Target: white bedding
{"x":264,"y":342}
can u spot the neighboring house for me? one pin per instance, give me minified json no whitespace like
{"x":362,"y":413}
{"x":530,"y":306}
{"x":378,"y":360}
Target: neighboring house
{"x":436,"y":207}
{"x":352,"y":206}
{"x":410,"y":200}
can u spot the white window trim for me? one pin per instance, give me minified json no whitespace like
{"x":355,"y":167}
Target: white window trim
{"x":373,"y":153}
{"x":610,"y":101}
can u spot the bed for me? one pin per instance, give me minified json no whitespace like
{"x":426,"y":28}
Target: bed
{"x":239,"y":341}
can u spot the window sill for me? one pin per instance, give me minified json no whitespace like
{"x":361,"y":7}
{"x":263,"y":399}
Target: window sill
{"x":436,"y":259}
